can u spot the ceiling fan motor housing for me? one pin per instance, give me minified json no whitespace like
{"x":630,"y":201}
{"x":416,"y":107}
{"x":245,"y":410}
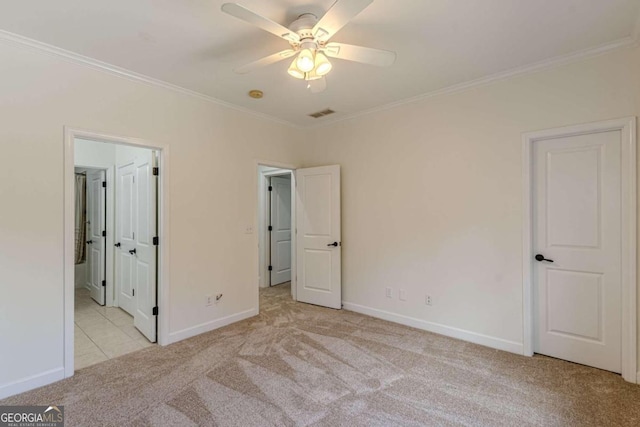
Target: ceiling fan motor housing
{"x":303,"y":26}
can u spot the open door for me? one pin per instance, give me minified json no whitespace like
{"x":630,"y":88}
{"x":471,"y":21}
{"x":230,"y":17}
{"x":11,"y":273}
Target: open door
{"x":125,"y":236}
{"x":319,"y":251}
{"x":280,"y":230}
{"x":145,"y":257}
{"x":96,"y":243}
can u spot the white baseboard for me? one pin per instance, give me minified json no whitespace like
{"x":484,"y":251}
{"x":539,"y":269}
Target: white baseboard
{"x":210,"y":326}
{"x":461,"y":334}
{"x":29,"y":383}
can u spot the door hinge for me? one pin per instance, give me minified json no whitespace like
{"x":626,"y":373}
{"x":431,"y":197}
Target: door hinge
{"x":104,"y":184}
{"x":104,"y":233}
{"x":104,"y":283}
{"x":270,"y":188}
{"x":133,"y":292}
{"x":270,"y":268}
{"x":270,"y":228}
{"x":156,"y":171}
{"x":155,"y":241}
{"x":155,"y":311}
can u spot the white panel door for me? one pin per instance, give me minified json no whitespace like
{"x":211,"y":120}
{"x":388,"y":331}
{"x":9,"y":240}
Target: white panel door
{"x":577,"y":238}
{"x":125,"y":236}
{"x":318,"y":236}
{"x":96,"y":244}
{"x":281,"y":230}
{"x":145,"y":258}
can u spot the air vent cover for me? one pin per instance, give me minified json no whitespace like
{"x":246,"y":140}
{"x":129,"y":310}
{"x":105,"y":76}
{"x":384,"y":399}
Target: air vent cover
{"x":322,"y":113}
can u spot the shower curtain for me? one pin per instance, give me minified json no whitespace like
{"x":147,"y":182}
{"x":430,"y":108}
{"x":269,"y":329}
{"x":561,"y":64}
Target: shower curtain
{"x":81,"y":217}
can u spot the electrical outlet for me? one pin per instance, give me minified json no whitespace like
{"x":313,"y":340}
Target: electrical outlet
{"x":248,"y":229}
{"x":389,"y":292}
{"x":428,"y":300}
{"x":209,"y":300}
{"x":403,"y":295}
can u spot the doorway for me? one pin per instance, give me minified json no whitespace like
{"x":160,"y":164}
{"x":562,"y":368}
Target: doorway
{"x":114,"y":308}
{"x":276,"y":210}
{"x":580,"y":246}
{"x":311,"y":236}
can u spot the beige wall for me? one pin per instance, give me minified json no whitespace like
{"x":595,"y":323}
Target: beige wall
{"x":432,"y":197}
{"x":213,"y":196}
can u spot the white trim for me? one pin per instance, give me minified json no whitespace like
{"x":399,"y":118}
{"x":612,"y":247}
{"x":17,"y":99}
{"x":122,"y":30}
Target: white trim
{"x":211,"y":325}
{"x":437,"y":328}
{"x":22,"y":41}
{"x":545,"y":64}
{"x":627,"y":126}
{"x":629,"y":248}
{"x":279,"y":172}
{"x":70,"y":134}
{"x":636,"y":30}
{"x":262,"y":229}
{"x":110,"y":301}
{"x":527,"y":251}
{"x":626,"y":42}
{"x":29,"y":383}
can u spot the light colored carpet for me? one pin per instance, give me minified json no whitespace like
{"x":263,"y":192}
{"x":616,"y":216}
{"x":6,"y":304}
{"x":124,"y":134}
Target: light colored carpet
{"x":297,"y":364}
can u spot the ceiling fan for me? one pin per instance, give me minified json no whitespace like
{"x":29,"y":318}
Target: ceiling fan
{"x":308,"y":38}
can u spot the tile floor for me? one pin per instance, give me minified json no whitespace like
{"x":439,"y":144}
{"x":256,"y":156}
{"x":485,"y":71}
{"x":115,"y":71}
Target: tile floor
{"x":103,"y":333}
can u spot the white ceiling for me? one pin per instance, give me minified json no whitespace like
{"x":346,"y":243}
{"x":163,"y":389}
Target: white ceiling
{"x":440,"y":43}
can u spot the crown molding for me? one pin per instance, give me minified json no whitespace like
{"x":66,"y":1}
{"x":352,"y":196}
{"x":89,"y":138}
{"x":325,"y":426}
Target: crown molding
{"x":25,"y":42}
{"x":13,"y":39}
{"x":625,"y":43}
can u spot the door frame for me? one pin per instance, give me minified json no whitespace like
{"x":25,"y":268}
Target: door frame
{"x":70,"y":134}
{"x":261,"y":211}
{"x":627,"y":127}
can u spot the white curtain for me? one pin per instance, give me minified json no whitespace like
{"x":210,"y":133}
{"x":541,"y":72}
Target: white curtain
{"x":81,"y":217}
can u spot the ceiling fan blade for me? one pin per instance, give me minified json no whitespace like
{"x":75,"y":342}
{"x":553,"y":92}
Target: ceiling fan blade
{"x":267,"y":60}
{"x":365,"y":55}
{"x":317,"y":85}
{"x":268,"y":25}
{"x":338,"y":16}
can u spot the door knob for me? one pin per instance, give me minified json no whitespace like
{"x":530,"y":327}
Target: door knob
{"x":541,"y":258}
{"x":132,"y":251}
{"x":334,"y":244}
{"x":89,"y":242}
{"x":117,"y":245}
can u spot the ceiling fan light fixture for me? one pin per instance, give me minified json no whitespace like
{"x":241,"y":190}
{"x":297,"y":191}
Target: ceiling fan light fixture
{"x":305,"y":61}
{"x":322,"y":65}
{"x":312,"y":75}
{"x":294,"y":71}
{"x":309,"y":37}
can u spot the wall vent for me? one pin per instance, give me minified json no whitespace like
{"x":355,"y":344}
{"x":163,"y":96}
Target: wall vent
{"x":322,"y":113}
